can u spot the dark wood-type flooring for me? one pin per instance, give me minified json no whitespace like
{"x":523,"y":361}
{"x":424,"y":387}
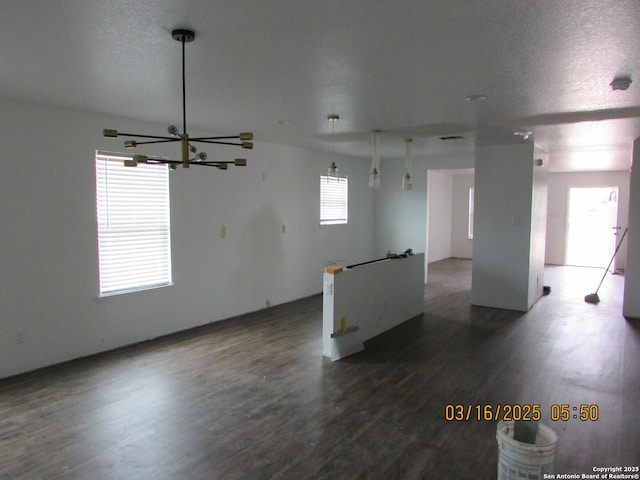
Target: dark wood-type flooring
{"x":252,"y":397}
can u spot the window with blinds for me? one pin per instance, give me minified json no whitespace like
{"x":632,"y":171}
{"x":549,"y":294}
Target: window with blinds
{"x":334,"y":200}
{"x":134,"y":234}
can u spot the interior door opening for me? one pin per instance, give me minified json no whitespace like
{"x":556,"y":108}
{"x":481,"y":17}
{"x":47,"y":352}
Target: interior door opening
{"x":591,"y":226}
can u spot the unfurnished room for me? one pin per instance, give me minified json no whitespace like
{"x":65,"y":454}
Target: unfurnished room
{"x":319,"y":240}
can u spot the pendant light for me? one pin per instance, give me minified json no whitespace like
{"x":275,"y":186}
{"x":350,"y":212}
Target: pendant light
{"x":333,"y":168}
{"x":406,"y":180}
{"x":374,"y":174}
{"x":200,"y":158}
{"x":333,"y":171}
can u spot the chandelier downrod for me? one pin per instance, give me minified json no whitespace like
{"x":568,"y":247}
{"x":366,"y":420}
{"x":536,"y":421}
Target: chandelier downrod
{"x":184,"y":94}
{"x":184,"y":36}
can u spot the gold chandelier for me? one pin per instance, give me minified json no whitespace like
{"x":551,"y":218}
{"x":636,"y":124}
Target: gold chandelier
{"x":187,"y":148}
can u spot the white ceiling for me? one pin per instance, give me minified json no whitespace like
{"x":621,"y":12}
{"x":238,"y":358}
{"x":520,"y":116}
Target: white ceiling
{"x":404,"y":67}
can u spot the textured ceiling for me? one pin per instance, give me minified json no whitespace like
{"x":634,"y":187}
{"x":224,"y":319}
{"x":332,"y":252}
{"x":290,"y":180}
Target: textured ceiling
{"x":404,"y":67}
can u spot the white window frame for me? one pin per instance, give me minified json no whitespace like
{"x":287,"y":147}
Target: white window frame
{"x":133,"y":225}
{"x":334,"y":200}
{"x":471,"y":212}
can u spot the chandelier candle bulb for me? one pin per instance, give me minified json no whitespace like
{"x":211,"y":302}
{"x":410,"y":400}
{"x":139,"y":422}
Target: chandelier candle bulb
{"x":247,"y":145}
{"x":246,"y":136}
{"x":240,"y":162}
{"x":107,"y":132}
{"x":130,"y":144}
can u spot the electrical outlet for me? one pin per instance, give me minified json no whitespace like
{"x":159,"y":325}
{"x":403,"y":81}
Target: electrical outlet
{"x":21,"y":337}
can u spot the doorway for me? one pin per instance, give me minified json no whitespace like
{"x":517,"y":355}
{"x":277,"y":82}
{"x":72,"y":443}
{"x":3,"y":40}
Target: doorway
{"x":591,"y":226}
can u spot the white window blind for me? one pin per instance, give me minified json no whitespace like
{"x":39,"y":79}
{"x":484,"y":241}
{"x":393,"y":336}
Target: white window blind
{"x":334,"y":200}
{"x":134,"y":234}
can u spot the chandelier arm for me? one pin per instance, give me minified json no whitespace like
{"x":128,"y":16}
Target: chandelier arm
{"x":161,"y":160}
{"x":167,"y":160}
{"x":213,"y":164}
{"x":159,"y":141}
{"x":172,"y":139}
{"x":216,"y":142}
{"x":191,"y":161}
{"x":202,"y":139}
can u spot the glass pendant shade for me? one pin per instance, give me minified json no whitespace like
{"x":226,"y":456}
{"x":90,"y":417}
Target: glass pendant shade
{"x":406,"y":180}
{"x":333,"y":170}
{"x":374,"y":178}
{"x":374,"y":175}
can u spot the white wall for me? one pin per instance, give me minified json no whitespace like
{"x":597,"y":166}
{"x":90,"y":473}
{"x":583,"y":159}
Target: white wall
{"x":461,"y":245}
{"x":559,"y":184}
{"x":439,"y":215}
{"x":504,"y":184}
{"x":401,"y":216}
{"x":374,"y":298}
{"x":631,"y":304}
{"x":540,"y":193}
{"x":48,"y":253}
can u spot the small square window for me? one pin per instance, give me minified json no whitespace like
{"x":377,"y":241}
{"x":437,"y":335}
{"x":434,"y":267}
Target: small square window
{"x":334,"y":200}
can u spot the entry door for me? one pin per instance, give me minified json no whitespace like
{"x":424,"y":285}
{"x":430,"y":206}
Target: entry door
{"x":591,"y":226}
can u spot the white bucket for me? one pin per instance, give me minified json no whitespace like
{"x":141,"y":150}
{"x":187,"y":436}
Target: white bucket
{"x":518,"y":460}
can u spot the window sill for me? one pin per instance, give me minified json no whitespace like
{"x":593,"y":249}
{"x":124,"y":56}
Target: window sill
{"x":105,"y":297}
{"x":333,"y":224}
